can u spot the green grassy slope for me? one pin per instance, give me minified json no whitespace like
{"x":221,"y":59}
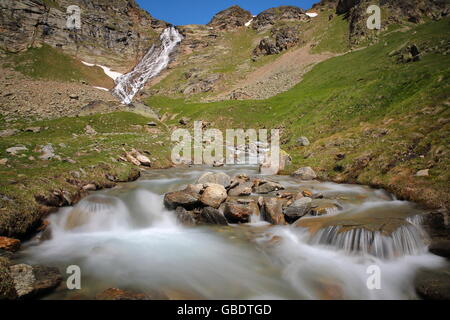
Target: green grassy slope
{"x":23,"y":179}
{"x":389,"y":118}
{"x":52,"y":64}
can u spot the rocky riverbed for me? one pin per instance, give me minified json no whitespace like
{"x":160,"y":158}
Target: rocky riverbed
{"x":228,"y":233}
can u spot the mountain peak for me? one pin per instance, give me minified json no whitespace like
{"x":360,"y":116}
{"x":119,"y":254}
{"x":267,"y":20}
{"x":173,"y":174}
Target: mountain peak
{"x":231,"y":18}
{"x":282,"y":13}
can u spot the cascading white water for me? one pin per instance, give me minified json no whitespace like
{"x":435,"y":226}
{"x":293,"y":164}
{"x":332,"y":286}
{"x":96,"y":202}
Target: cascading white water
{"x":125,"y":238}
{"x":154,"y":61}
{"x":406,"y":240}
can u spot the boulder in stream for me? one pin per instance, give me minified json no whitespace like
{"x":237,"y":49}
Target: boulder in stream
{"x":213,"y":195}
{"x":266,"y":186}
{"x":173,"y":200}
{"x":239,"y":212}
{"x":305,"y":173}
{"x":298,"y":209}
{"x":273,"y":210}
{"x":34,"y":281}
{"x":215,"y":177}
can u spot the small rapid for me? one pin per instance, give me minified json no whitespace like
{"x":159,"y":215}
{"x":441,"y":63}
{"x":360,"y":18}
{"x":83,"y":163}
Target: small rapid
{"x":155,"y":60}
{"x":126,"y":238}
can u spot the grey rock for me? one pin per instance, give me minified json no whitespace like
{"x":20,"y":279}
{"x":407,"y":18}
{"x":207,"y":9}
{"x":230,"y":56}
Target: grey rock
{"x":48,"y":152}
{"x":215,"y":177}
{"x":15,"y":150}
{"x":305,"y":173}
{"x":273,"y":211}
{"x":8,"y":133}
{"x":267,"y":186}
{"x":173,"y":200}
{"x":298,"y":209}
{"x":303,"y":142}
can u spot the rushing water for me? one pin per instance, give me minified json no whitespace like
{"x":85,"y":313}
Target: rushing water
{"x":154,"y":61}
{"x":125,"y":238}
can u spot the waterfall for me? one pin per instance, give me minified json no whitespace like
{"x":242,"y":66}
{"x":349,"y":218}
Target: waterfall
{"x":409,"y":239}
{"x":154,"y":61}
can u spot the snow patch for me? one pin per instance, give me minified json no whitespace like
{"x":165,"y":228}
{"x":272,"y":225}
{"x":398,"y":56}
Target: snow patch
{"x":312,"y":14}
{"x":249,"y":23}
{"x":101,"y":88}
{"x":112,"y":74}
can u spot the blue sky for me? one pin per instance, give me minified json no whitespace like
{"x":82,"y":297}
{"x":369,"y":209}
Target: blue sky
{"x":182,"y":12}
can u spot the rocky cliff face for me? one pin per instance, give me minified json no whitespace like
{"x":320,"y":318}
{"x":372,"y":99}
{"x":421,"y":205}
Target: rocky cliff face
{"x":113,"y":31}
{"x":231,"y":18}
{"x":269,"y":17}
{"x":393,"y":12}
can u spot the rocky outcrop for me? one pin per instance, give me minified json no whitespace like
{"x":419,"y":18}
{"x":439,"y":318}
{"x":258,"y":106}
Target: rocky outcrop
{"x":116,"y":30}
{"x":231,"y":18}
{"x":271,"y":16}
{"x":280,"y":40}
{"x":394,"y":12}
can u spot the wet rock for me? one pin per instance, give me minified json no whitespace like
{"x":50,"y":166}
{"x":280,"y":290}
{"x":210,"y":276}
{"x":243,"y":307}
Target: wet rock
{"x":194,"y":188}
{"x":9,"y":244}
{"x":217,"y":178}
{"x":46,"y":279}
{"x":298,"y":209}
{"x":200,"y":216}
{"x":34,"y":281}
{"x":303,"y":142}
{"x":185,"y":217}
{"x":242,"y":189}
{"x":173,"y":200}
{"x":267,"y":186}
{"x":239,"y":213}
{"x":433,"y":284}
{"x":74,"y":97}
{"x":211,"y":216}
{"x":118,"y":294}
{"x":440,"y":247}
{"x":305,"y":173}
{"x":213,"y":195}
{"x":273,"y":211}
